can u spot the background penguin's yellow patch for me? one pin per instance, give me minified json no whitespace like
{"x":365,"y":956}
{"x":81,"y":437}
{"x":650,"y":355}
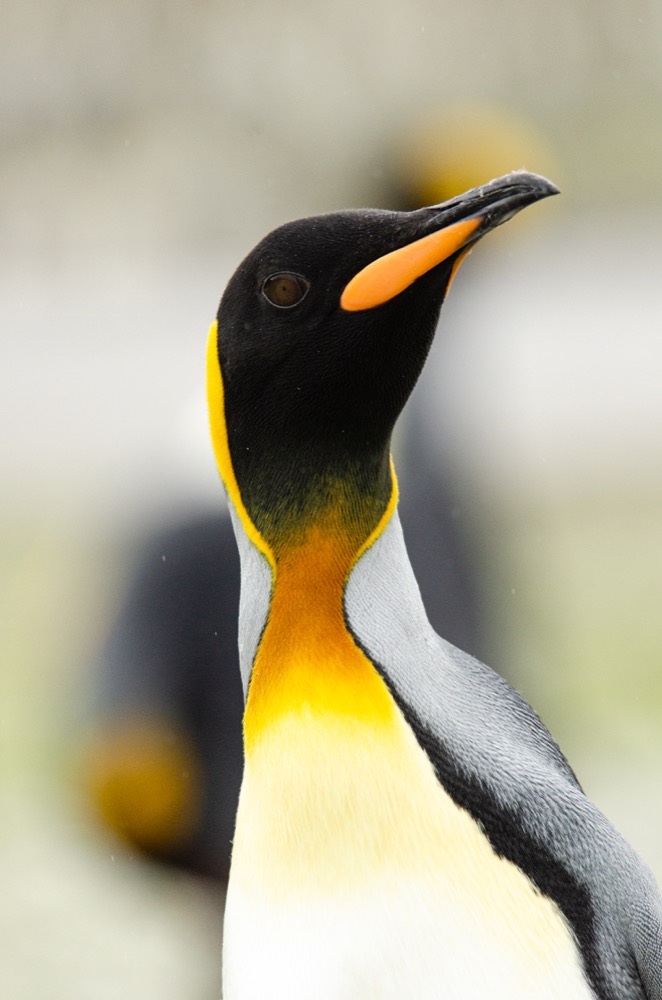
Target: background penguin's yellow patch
{"x":145,"y":779}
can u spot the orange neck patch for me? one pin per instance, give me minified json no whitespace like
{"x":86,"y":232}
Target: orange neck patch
{"x":307,"y":661}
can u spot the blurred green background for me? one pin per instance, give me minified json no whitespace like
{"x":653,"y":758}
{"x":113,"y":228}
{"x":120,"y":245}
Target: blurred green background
{"x":144,"y":148}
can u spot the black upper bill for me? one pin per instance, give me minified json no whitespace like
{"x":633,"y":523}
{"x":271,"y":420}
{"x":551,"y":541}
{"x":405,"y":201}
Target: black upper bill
{"x":497,"y":201}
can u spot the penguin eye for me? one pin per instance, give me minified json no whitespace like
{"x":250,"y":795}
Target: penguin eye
{"x":285,"y":289}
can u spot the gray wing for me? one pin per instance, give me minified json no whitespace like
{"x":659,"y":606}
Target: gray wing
{"x":646,"y":940}
{"x":495,"y":757}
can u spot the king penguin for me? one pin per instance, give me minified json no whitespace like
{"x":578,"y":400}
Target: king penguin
{"x":407,"y":827}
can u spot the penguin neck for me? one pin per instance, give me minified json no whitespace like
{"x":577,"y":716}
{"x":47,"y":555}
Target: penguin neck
{"x":305,"y":659}
{"x":302,"y":522}
{"x":307,"y":662}
{"x":296,"y":501}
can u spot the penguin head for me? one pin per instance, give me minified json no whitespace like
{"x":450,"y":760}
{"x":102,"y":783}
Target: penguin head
{"x":321,"y":335}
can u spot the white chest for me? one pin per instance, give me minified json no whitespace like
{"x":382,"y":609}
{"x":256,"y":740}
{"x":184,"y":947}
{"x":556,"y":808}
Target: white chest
{"x":403,"y":939}
{"x":355,"y":876}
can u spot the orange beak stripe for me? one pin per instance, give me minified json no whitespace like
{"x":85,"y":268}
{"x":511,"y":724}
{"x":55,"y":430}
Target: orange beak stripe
{"x":389,"y":275}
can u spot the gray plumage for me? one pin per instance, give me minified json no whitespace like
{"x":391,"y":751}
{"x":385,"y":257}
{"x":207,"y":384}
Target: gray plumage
{"x":495,"y":737}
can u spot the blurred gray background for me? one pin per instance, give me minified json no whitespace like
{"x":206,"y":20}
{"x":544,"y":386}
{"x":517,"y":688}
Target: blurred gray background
{"x":144,"y":148}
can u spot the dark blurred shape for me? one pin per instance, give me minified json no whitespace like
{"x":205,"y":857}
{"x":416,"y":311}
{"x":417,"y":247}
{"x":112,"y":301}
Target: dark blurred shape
{"x":168,"y":729}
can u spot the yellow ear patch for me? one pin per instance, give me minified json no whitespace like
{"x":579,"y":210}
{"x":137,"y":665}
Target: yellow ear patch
{"x":389,"y":275}
{"x":219,"y":437}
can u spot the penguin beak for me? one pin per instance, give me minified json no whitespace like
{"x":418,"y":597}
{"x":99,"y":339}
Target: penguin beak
{"x":456,"y":226}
